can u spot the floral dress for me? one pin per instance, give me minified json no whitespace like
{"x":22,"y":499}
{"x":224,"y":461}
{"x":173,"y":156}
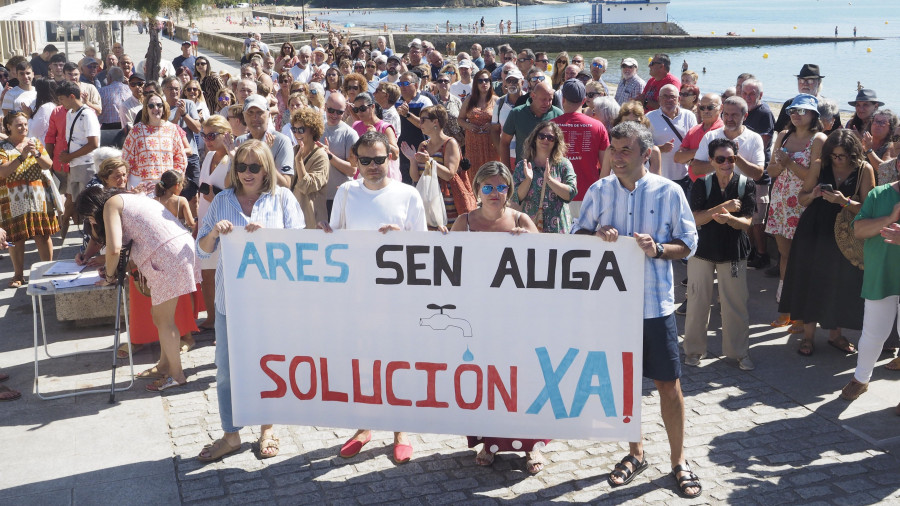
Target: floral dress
{"x":25,"y":208}
{"x":479,"y":147}
{"x":557,"y":219}
{"x":784,"y":205}
{"x":887,"y":172}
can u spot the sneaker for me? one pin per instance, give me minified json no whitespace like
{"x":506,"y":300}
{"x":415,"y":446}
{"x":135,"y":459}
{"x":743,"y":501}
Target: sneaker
{"x":682,"y":309}
{"x":746,"y":364}
{"x":774,"y":271}
{"x":760,"y":262}
{"x":694,"y":360}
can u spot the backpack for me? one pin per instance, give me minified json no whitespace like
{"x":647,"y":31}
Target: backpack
{"x":708,"y":181}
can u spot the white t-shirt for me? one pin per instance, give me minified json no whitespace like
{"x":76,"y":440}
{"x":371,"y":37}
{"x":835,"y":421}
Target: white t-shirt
{"x":365,"y":209}
{"x":86,"y":127}
{"x":302,"y":75}
{"x":195,"y":34}
{"x":25,"y":98}
{"x":393,"y":117}
{"x":217,"y":178}
{"x":662,"y":133}
{"x":498,"y":117}
{"x":40,"y":123}
{"x":750,"y":146}
{"x":461,"y":90}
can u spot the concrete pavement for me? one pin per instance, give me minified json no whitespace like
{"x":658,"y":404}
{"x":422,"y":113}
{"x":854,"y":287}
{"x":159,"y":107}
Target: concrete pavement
{"x":777,"y":434}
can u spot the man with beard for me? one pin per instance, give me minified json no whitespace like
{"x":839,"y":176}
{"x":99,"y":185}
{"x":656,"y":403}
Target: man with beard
{"x":522,"y":120}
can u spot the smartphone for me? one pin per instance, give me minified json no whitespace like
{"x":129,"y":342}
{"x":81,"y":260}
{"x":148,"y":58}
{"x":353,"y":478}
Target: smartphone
{"x":13,"y":82}
{"x":826,"y":188}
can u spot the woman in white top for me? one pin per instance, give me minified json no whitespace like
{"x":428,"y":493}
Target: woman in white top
{"x":43,"y":107}
{"x":213,"y":179}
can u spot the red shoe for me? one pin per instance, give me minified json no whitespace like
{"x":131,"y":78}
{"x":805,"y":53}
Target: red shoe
{"x":402,"y":453}
{"x":353,"y":446}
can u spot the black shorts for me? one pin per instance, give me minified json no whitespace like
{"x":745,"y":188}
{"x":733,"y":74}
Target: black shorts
{"x":662,"y":361}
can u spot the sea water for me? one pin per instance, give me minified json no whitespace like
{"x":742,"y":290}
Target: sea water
{"x":869,"y":63}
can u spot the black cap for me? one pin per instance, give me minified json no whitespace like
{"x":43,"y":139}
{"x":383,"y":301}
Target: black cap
{"x":136,"y":76}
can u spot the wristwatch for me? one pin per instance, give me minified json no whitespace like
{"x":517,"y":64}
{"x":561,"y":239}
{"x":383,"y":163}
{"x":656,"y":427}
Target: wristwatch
{"x":659,"y":250}
{"x":330,"y":156}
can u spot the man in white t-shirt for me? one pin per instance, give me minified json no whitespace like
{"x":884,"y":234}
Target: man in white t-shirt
{"x":376,"y":202}
{"x":22,"y":95}
{"x":513,"y":85}
{"x":82,"y":137}
{"x":302,"y":71}
{"x":749,"y":159}
{"x":669,"y":124}
{"x":463,"y":87}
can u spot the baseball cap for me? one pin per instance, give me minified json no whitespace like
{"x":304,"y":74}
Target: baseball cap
{"x":395,"y":58}
{"x":573,"y":91}
{"x":186,"y":43}
{"x":136,"y":76}
{"x":466,"y":63}
{"x":630,"y":62}
{"x":88,"y":61}
{"x":256,"y":101}
{"x":515,"y":73}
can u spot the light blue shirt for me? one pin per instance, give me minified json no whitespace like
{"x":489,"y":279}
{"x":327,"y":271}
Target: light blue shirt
{"x":278,"y":210}
{"x":658,"y":207}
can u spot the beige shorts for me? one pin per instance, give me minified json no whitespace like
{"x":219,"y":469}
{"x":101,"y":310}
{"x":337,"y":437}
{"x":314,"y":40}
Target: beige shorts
{"x":79,"y":177}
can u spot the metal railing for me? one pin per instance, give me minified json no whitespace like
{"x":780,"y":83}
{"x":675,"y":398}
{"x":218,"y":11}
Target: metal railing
{"x":543,"y":24}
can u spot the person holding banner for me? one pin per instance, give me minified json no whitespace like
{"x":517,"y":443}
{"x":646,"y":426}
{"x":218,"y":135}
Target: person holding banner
{"x":495,"y":181}
{"x":655,"y":212}
{"x":253,"y":201}
{"x":376,"y":202}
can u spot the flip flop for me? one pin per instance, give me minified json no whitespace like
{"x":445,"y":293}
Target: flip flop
{"x":152,"y":373}
{"x":217,"y":450}
{"x":8,"y":394}
{"x":122,"y":352}
{"x":842,"y":344}
{"x":161,"y":385}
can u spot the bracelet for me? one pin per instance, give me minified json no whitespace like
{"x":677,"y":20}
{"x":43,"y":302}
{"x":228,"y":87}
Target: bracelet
{"x":869,"y":151}
{"x":847,"y":203}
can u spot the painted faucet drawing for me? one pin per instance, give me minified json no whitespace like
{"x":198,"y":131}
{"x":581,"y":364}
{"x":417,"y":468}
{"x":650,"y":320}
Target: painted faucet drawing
{"x":442,"y":321}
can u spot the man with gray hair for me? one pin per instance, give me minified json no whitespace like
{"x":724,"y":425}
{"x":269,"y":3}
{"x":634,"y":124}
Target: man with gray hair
{"x":381,"y":43}
{"x":749,"y":159}
{"x":244,"y":89}
{"x":631,"y":85}
{"x":655,"y":212}
{"x":761,"y":120}
{"x":490,"y":60}
{"x":598,"y":68}
{"x":337,"y":140}
{"x":112,"y":96}
{"x":302,"y":71}
{"x":669,"y":124}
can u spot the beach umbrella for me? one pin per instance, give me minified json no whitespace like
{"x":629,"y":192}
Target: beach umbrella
{"x":349,"y":25}
{"x":65,"y":11}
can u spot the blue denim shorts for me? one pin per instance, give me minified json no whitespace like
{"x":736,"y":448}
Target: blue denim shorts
{"x":662,"y":360}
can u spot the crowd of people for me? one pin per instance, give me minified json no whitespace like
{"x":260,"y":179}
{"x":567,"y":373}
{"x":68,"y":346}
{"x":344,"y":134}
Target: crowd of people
{"x":336,"y":135}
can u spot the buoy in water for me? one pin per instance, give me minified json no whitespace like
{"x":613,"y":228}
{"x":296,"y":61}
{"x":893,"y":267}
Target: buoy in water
{"x":795,"y":28}
{"x":713,"y":33}
{"x":753,"y":30}
{"x":649,"y":59}
{"x":868,"y":49}
{"x":765,"y":55}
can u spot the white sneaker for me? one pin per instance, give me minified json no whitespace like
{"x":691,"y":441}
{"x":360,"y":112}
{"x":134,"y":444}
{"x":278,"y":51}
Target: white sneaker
{"x":746,"y":364}
{"x":694,"y":360}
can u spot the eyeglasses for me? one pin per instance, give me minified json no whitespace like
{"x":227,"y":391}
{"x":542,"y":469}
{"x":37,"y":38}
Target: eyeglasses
{"x":254,"y":168}
{"x":224,"y":98}
{"x":443,"y":81}
{"x":509,"y":58}
{"x":536,"y":79}
{"x":482,"y":80}
{"x":597,"y":65}
{"x":211,"y":136}
{"x":797,"y":111}
{"x":367,"y":160}
{"x":192,"y":90}
{"x":706,"y":107}
{"x":594,"y":94}
{"x":489,"y":188}
{"x":547,"y":137}
{"x":362,"y":108}
{"x":686,"y":94}
{"x":838,"y":156}
{"x":881,"y":122}
{"x":722,"y":159}
{"x":336,"y":112}
{"x":154,"y":105}
{"x":524,"y":59}
{"x":404,"y":84}
{"x":298,"y":130}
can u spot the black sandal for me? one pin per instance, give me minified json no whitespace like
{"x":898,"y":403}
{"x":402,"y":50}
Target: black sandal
{"x":689,"y":480}
{"x":622,"y":471}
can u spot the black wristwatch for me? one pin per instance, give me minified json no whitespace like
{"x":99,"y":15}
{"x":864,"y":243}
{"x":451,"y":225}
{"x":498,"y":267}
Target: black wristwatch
{"x":659,"y":250}
{"x":330,"y":156}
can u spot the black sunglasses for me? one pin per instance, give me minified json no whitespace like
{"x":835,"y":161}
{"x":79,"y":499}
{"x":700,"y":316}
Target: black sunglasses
{"x":254,"y":168}
{"x":367,"y":160}
{"x":362,"y":108}
{"x":334,"y":111}
{"x":298,"y":130}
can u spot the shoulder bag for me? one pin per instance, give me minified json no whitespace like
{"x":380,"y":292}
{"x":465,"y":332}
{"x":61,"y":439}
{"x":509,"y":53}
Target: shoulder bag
{"x":850,"y":246}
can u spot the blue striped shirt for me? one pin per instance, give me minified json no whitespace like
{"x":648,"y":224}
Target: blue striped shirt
{"x":658,"y":207}
{"x":278,"y":210}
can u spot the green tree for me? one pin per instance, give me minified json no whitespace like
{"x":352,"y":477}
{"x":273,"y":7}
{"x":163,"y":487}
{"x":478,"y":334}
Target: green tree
{"x":150,"y":9}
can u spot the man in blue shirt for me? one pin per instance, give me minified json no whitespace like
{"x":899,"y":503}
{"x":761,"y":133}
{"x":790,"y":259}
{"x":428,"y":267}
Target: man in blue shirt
{"x":635,"y":203}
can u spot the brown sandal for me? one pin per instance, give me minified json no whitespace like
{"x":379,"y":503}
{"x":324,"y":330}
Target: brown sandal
{"x":217,"y":450}
{"x":841,"y":343}
{"x":8,"y":394}
{"x":266,"y":443}
{"x":853,"y":390}
{"x":893,"y":365}
{"x":806,"y":348}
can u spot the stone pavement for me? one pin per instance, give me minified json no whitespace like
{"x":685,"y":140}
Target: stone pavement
{"x":778,"y":434}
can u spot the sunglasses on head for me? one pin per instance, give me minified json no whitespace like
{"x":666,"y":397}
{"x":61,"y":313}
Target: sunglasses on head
{"x":367,"y":160}
{"x":298,"y":130}
{"x":723,"y":159}
{"x":489,"y":188}
{"x":254,"y":168}
{"x":547,"y":137}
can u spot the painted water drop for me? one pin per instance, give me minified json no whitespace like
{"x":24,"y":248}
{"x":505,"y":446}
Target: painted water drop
{"x":468,"y":356}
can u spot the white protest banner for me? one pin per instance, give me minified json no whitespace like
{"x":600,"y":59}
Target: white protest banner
{"x":485,"y":334}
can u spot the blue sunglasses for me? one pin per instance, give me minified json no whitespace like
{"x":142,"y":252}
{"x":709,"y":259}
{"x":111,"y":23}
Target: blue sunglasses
{"x":489,"y":188}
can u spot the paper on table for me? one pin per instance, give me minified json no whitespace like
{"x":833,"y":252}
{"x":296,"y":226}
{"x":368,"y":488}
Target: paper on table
{"x":79,"y":280}
{"x":64,"y":267}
